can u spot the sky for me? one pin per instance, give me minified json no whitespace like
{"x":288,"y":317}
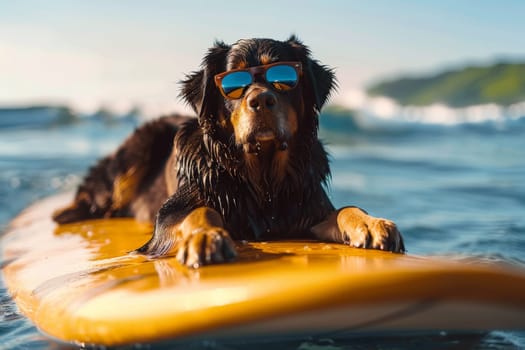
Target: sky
{"x":120,"y":53}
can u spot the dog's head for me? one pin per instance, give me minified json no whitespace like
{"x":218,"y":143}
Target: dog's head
{"x":258,"y":94}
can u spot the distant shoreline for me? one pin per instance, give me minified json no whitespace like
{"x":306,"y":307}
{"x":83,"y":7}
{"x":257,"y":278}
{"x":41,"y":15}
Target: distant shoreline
{"x":501,"y":84}
{"x":51,"y":115}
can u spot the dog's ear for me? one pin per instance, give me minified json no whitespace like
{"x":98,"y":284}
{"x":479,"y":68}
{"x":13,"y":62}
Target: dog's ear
{"x":191,"y":90}
{"x":198,"y":88}
{"x":319,"y":80}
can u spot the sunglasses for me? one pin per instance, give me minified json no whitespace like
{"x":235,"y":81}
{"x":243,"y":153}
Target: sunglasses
{"x":282,"y":76}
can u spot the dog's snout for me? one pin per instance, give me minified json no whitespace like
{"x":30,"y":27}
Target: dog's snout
{"x":262,"y":100}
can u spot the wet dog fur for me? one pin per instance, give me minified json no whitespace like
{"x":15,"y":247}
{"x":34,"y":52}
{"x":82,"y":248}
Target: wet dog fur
{"x":251,"y":168}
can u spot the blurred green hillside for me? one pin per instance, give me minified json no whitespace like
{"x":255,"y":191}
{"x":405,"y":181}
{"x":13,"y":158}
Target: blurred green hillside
{"x":501,"y":83}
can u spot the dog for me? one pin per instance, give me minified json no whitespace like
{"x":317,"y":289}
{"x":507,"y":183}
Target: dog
{"x":250,"y":166}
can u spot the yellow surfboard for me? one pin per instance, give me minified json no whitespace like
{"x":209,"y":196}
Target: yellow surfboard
{"x":78,"y":283}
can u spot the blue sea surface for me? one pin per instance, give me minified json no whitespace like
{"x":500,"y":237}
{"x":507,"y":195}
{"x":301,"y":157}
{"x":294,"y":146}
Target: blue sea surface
{"x":454,"y":190}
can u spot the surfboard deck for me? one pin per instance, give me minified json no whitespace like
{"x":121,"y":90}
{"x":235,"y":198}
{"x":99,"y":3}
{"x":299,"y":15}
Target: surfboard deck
{"x":78,"y":283}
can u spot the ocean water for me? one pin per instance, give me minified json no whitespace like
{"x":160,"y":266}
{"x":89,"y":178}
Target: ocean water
{"x":454,"y":189}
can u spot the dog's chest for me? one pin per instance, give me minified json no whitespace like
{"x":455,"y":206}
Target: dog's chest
{"x":275,"y":218}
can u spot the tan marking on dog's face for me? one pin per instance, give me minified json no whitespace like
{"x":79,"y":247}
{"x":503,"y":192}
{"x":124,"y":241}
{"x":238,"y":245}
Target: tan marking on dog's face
{"x":240,"y":65}
{"x":266,"y":59}
{"x":289,"y":123}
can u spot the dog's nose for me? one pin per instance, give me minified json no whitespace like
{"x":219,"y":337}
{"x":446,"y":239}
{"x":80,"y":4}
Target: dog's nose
{"x":262,"y":100}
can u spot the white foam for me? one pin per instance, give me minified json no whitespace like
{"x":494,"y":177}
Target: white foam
{"x":438,"y":114}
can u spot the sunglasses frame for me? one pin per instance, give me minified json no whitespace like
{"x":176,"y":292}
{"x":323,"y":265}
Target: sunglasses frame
{"x":257,"y":70}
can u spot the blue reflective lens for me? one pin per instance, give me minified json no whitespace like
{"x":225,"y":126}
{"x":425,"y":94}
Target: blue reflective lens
{"x":282,"y":77}
{"x":233,"y":84}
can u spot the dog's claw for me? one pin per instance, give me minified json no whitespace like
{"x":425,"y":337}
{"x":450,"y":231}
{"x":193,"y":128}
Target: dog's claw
{"x":206,"y":247}
{"x":361,"y":230}
{"x":386,"y":236}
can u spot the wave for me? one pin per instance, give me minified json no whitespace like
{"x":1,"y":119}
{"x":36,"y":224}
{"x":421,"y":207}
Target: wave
{"x":370,"y":109}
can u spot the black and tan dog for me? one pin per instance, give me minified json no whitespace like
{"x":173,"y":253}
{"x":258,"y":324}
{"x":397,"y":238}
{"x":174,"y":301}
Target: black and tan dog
{"x":249,"y":167}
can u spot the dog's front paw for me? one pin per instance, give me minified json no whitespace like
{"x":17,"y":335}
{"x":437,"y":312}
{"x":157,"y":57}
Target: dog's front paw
{"x":207,"y":246}
{"x":385,"y":236}
{"x":364,"y":231}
